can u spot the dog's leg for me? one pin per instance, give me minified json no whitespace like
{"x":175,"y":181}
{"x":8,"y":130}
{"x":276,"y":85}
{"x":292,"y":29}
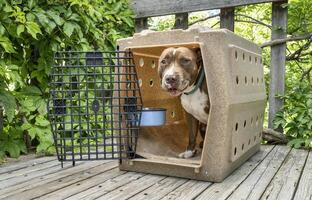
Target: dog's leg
{"x":202,"y":130}
{"x":193,"y":130}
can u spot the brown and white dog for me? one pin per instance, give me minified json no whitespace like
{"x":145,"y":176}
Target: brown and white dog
{"x":179,"y":70}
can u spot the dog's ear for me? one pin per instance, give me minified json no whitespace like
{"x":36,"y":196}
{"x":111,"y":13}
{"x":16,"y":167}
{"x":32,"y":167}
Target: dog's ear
{"x":199,"y":60}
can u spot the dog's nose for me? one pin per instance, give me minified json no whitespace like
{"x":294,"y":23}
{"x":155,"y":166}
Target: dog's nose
{"x":171,"y":79}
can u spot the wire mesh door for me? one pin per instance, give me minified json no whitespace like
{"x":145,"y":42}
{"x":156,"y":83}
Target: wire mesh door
{"x":95,"y":105}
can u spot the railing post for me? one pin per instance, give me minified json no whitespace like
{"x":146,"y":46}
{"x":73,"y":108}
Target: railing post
{"x":227,"y":18}
{"x":181,"y":21}
{"x":278,"y":60}
{"x":140,"y":24}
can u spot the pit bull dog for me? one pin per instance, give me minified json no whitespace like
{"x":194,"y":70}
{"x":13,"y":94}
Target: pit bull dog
{"x":181,"y":73}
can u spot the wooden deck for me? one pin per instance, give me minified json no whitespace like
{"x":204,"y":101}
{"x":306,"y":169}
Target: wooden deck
{"x":277,"y":172}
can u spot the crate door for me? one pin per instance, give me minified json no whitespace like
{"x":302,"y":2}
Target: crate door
{"x":94,"y":105}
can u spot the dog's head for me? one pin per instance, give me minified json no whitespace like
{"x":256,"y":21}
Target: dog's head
{"x":178,"y":69}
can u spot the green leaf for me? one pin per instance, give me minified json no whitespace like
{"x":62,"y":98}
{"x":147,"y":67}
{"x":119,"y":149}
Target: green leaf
{"x":2,"y":29}
{"x":7,"y":8}
{"x":7,"y":44}
{"x":55,"y":16}
{"x":69,"y":28}
{"x":33,"y":131}
{"x":44,"y":20}
{"x":31,"y":4}
{"x":33,"y":29}
{"x":13,"y":149}
{"x":8,"y":102}
{"x":296,"y":143}
{"x":41,"y":121}
{"x":26,"y":126}
{"x":45,"y":146}
{"x":20,"y":29}
{"x":42,"y":107}
{"x":74,"y":17}
{"x":31,"y":90}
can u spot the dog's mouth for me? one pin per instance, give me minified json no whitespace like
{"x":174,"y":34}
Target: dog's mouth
{"x":174,"y":91}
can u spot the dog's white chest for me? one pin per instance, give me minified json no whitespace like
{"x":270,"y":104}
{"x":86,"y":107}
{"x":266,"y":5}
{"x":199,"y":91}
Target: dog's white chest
{"x":195,"y":105}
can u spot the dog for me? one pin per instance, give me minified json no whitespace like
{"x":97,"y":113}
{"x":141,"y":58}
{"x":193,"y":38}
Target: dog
{"x":181,"y":73}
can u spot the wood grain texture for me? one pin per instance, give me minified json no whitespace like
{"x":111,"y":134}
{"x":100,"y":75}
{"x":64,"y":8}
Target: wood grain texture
{"x":132,"y":188}
{"x":6,"y":168}
{"x":256,"y":183}
{"x":68,"y":170}
{"x":107,"y":186}
{"x":278,"y":60}
{"x":224,"y":189}
{"x":188,"y":190}
{"x":227,"y":18}
{"x":284,"y":184}
{"x":82,"y":185}
{"x":159,"y":189}
{"x":61,"y":183}
{"x":181,"y":21}
{"x":28,"y":170}
{"x":304,"y":189}
{"x":22,"y":177}
{"x":150,"y":8}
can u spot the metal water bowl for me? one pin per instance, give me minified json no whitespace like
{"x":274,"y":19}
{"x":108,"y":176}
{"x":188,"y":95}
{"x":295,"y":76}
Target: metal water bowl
{"x":153,"y":117}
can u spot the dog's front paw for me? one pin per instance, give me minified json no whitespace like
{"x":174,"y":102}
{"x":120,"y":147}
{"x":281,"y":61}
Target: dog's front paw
{"x":187,"y":154}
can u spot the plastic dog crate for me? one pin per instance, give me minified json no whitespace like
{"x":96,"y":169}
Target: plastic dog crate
{"x":234,"y":75}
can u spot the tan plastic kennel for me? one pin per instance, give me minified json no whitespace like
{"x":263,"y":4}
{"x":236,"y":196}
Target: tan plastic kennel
{"x":234,"y":75}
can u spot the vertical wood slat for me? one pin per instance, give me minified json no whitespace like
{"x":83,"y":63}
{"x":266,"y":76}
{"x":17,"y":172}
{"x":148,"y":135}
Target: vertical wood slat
{"x":227,"y":18}
{"x":181,"y":21}
{"x":278,"y":60}
{"x":141,"y":24}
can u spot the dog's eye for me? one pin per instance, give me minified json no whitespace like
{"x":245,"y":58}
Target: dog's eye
{"x":185,"y":61}
{"x":163,"y":61}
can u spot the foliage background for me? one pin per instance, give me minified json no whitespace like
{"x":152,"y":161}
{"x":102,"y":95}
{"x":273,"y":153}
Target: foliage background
{"x":30,"y":31}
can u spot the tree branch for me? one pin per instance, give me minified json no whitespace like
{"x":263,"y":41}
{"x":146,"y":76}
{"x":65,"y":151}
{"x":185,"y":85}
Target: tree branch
{"x":288,"y":39}
{"x":246,"y":21}
{"x":255,"y":21}
{"x":298,"y":53}
{"x":273,"y":137}
{"x":306,"y":54}
{"x":305,"y":73}
{"x":204,"y":19}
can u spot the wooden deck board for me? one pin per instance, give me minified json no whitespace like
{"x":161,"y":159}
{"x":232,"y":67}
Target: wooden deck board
{"x":7,"y":168}
{"x":284,"y":184}
{"x":160,"y":189}
{"x":224,"y":189}
{"x":304,"y":190}
{"x":27,"y":171}
{"x":107,"y":186}
{"x":277,"y":172}
{"x":68,"y":170}
{"x":82,"y":185}
{"x":188,"y":190}
{"x":41,"y":190}
{"x":132,"y":188}
{"x":254,"y":185}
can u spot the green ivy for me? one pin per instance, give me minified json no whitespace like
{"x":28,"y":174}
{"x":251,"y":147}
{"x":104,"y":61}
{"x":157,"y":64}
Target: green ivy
{"x":296,"y":116}
{"x":30,"y":31}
